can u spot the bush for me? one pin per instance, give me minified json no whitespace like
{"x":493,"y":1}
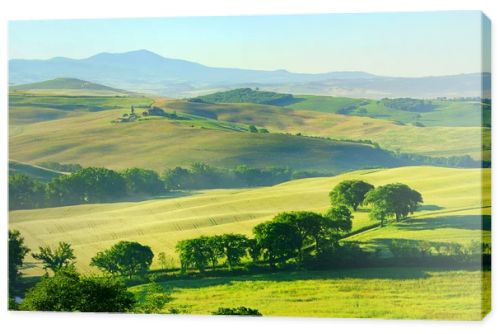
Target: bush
{"x":68,"y":291}
{"x":242,"y":310}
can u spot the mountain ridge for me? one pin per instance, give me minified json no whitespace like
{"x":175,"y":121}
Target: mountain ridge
{"x":148,"y":72}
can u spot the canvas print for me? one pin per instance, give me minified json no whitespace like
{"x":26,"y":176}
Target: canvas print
{"x":327,"y":165}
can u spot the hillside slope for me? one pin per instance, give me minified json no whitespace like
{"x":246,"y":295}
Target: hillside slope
{"x":432,"y":141}
{"x":160,"y":223}
{"x":36,"y":172}
{"x":68,"y":86}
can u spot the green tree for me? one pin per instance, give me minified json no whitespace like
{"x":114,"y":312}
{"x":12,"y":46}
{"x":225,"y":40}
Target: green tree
{"x":279,"y":241}
{"x":88,"y":185}
{"x":57,"y":258}
{"x":252,"y":129}
{"x":350,"y":192}
{"x":194,"y":253}
{"x":234,"y":247}
{"x":142,"y":181}
{"x":17,"y":252}
{"x":339,"y":221}
{"x":215,"y":249}
{"x":25,"y":192}
{"x":242,"y":310}
{"x":125,"y":258}
{"x":395,"y":199}
{"x":69,"y":291}
{"x":310,"y":226}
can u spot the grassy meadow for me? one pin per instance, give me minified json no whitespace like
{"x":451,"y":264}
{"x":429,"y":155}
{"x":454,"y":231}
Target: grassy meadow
{"x":391,"y":293}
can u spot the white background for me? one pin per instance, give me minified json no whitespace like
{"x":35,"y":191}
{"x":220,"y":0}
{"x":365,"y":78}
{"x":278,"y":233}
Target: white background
{"x":99,"y":323}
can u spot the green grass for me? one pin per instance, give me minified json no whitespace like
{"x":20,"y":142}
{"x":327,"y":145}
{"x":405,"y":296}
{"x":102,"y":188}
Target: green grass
{"x":36,"y":172}
{"x":433,"y":141}
{"x":162,"y":222}
{"x":394,"y":293}
{"x":446,"y":113}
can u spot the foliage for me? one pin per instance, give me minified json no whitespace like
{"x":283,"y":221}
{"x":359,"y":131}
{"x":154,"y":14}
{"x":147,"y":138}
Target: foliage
{"x":69,"y":291}
{"x":194,"y":253}
{"x":246,"y":95}
{"x":350,"y":192}
{"x":142,"y":181}
{"x":395,"y":199}
{"x":124,"y":258}
{"x":279,"y":241}
{"x":25,"y":192}
{"x":17,"y":252}
{"x":408,"y":104}
{"x":234,"y":247}
{"x":203,"y":176}
{"x":88,"y":185}
{"x":242,"y":310}
{"x":56,"y":259}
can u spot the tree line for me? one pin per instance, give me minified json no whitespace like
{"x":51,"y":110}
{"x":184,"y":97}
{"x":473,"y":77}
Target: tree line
{"x":301,"y":236}
{"x":100,"y":185}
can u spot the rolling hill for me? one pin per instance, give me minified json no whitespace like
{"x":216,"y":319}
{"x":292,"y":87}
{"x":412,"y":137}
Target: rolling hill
{"x":36,"y":172}
{"x":432,"y":141}
{"x":68,"y":86}
{"x":452,"y":212}
{"x":145,"y":71}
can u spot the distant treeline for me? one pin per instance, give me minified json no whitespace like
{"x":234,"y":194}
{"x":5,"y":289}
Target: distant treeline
{"x":69,"y":168}
{"x":459,"y":161}
{"x":101,"y":185}
{"x":408,"y":104}
{"x":246,"y":95}
{"x":203,"y":176}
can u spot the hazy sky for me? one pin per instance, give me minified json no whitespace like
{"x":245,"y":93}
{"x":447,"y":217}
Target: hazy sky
{"x":396,"y":44}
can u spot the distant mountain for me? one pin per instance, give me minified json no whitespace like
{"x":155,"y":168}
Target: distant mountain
{"x":67,"y":84}
{"x":145,"y":71}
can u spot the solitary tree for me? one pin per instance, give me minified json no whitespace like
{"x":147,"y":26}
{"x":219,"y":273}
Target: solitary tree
{"x":124,"y":258}
{"x":68,"y":291}
{"x":279,"y":241}
{"x":17,"y":252}
{"x":57,"y":258}
{"x":350,"y":192}
{"x":395,"y":199}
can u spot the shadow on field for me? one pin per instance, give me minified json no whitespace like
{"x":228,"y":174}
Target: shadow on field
{"x":363,"y":273}
{"x":429,"y":207}
{"x":466,"y":222}
{"x":171,"y":194}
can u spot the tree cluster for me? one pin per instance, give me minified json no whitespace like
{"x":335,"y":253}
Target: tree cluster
{"x":246,"y":95}
{"x":87,"y":185}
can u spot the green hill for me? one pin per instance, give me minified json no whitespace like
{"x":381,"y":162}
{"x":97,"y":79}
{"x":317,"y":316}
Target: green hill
{"x":444,"y":113}
{"x":36,"y":172}
{"x":68,"y":86}
{"x":246,"y":95}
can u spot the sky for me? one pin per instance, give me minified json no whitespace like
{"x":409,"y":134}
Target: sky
{"x":392,"y":44}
